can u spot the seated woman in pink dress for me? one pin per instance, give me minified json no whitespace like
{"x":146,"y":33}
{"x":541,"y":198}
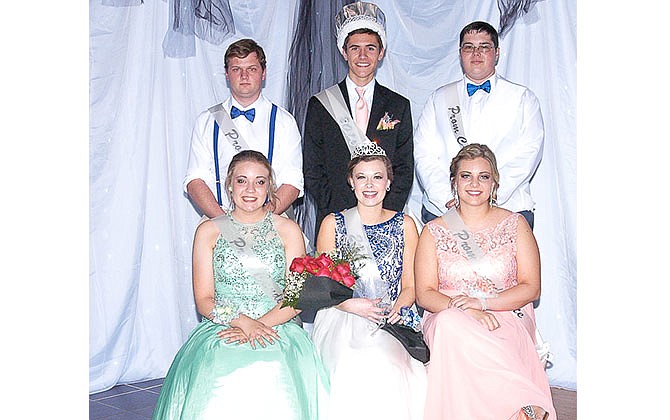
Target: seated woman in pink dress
{"x":477,"y":272}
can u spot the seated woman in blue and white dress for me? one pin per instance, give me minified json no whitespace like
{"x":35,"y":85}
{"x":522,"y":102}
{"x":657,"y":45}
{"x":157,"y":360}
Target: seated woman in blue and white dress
{"x":372,"y":376}
{"x":247,"y":359}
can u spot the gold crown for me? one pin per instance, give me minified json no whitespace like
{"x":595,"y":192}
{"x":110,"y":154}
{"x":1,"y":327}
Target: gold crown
{"x":368,"y":149}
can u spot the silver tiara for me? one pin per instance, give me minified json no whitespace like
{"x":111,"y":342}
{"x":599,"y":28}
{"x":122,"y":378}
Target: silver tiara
{"x":368,"y":149}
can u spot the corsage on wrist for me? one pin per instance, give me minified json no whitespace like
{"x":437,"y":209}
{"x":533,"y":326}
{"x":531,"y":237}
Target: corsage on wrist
{"x":223,"y":312}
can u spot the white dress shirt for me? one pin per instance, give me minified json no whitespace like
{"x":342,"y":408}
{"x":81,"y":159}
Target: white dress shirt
{"x":508,"y":120}
{"x":287,"y":154}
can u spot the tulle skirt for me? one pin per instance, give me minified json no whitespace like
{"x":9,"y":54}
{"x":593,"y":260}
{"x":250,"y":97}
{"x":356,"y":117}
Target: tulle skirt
{"x":371,"y":374}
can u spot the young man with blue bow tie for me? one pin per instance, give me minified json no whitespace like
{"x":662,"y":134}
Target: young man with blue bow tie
{"x":246,"y":120}
{"x":482,"y":107}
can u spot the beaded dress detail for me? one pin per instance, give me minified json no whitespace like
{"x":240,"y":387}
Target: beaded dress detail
{"x":387,"y":241}
{"x":475,"y":373}
{"x":212,"y":379}
{"x":234,"y":274}
{"x":495,"y":273}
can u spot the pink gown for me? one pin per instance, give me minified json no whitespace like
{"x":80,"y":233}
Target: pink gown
{"x":475,"y":373}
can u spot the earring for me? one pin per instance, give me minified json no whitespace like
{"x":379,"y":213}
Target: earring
{"x":454,"y":192}
{"x":492,"y":202}
{"x":388,"y":188}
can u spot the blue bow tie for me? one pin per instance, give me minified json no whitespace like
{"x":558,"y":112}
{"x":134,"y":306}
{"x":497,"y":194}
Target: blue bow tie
{"x":486,"y":87}
{"x":250,"y":114}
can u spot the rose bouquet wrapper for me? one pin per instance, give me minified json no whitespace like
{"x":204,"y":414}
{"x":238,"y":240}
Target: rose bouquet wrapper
{"x":320,"y":292}
{"x":410,"y":339}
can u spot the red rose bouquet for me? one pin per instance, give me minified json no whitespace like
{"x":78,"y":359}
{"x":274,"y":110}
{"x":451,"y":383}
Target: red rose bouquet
{"x":314,"y":283}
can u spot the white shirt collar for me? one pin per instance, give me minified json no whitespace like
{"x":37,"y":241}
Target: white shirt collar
{"x":353,"y":95}
{"x":254,"y":104}
{"x":491,"y":79}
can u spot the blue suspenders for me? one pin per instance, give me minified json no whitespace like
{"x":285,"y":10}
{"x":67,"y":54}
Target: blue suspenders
{"x":271,"y":136}
{"x":271,"y":146}
{"x":216,"y":163}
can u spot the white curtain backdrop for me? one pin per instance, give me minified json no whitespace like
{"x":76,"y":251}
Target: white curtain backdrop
{"x":142,"y":107}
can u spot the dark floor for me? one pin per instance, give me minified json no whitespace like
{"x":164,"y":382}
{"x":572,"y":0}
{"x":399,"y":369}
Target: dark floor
{"x":125,"y":402}
{"x":136,"y":402}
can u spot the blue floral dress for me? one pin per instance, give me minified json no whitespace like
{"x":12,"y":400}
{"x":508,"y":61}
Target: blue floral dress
{"x":371,"y":374}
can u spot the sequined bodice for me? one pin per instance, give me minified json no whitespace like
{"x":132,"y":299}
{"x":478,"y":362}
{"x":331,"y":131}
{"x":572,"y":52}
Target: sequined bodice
{"x":499,"y":246}
{"x":387,"y":241}
{"x":232,"y":276}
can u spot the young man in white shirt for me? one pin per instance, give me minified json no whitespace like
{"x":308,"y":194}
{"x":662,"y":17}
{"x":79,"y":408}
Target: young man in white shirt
{"x":493,"y":111}
{"x":271,"y":132}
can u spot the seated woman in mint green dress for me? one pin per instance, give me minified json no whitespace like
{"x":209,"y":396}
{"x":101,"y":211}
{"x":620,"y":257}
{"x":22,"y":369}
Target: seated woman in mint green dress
{"x":248,"y":358}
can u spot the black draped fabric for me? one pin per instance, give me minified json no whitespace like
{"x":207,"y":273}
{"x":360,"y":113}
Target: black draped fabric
{"x":314,"y":65}
{"x":209,"y":20}
{"x":213,"y":20}
{"x":314,"y":60}
{"x":510,"y":11}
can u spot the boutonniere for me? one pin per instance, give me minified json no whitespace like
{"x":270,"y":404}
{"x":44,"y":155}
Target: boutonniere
{"x":386,"y":123}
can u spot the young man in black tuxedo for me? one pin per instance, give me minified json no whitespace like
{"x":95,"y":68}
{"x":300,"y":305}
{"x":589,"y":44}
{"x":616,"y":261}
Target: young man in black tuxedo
{"x":381,"y":114}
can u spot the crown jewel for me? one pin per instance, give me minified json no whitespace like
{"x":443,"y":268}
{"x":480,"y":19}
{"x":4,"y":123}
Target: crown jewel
{"x":368,"y":149}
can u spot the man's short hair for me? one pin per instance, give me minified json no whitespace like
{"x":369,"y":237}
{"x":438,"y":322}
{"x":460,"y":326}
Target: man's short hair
{"x":364,"y":31}
{"x":479,"y":26}
{"x":241,"y":49}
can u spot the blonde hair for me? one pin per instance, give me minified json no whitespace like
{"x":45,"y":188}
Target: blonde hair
{"x":473,"y":151}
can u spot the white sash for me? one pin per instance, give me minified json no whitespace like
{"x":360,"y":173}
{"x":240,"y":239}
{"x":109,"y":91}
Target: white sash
{"x":356,"y":234}
{"x":228,"y":128}
{"x":466,"y":240}
{"x":454,"y":108}
{"x":243,"y":247}
{"x":334,"y":103}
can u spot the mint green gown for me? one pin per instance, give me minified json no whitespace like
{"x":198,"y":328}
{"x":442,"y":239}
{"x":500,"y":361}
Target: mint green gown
{"x":210,"y":379}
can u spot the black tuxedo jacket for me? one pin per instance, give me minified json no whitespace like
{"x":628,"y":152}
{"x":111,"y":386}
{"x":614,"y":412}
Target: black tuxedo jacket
{"x":326,"y":156}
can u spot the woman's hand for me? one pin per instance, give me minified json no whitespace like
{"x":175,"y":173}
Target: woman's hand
{"x":463,"y":302}
{"x":256,"y":331}
{"x":394,"y":314}
{"x":233,"y":335}
{"x":487,"y":319}
{"x":366,"y":308}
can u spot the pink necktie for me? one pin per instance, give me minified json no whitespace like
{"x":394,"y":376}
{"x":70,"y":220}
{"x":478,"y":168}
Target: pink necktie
{"x":361,"y":110}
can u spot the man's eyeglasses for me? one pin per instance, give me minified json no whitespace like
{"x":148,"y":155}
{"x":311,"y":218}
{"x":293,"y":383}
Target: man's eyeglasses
{"x":471,"y":48}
